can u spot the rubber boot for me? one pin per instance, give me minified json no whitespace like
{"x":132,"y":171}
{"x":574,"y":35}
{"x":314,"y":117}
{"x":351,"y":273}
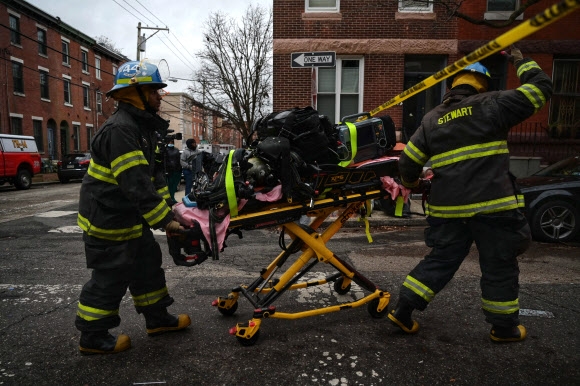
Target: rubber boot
{"x":401,"y":317}
{"x":508,"y":334}
{"x":101,"y":342}
{"x":161,"y":321}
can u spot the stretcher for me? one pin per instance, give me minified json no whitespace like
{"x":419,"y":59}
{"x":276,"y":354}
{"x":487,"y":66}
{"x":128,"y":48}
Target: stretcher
{"x":348,"y":192}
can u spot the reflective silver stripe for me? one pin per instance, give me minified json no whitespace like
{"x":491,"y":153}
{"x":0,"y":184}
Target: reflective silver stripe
{"x":470,"y":210}
{"x":509,"y":307}
{"x":126,"y":161}
{"x":526,"y":67}
{"x":419,"y":288}
{"x":415,"y":154}
{"x":534,"y":95}
{"x":469,"y":152}
{"x":150,"y":297}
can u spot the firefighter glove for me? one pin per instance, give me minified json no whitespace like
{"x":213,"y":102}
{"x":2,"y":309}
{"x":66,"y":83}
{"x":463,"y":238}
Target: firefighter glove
{"x":515,"y":56}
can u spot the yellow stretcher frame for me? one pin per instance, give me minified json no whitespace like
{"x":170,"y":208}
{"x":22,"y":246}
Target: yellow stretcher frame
{"x":314,"y":250}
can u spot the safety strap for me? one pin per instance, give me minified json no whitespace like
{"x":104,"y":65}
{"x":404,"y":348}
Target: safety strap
{"x":353,"y":144}
{"x":399,"y":203}
{"x":368,"y":206}
{"x":230,"y":188}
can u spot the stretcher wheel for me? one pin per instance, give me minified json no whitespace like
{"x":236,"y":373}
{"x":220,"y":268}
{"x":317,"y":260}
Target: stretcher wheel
{"x":229,"y":311}
{"x":249,"y":342}
{"x":338,"y":286}
{"x":373,"y":309}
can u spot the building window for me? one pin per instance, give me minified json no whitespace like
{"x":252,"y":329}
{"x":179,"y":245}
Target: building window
{"x":17,"y":77}
{"x":77,"y":137}
{"x":14,"y":29}
{"x":115,"y":69}
{"x":89,"y":136}
{"x":86,"y":98}
{"x":85,"y":60}
{"x":16,"y":125}
{"x":37,"y":128}
{"x":65,"y":53}
{"x":99,"y":102}
{"x":322,"y":5}
{"x":502,"y":5}
{"x":67,"y":94}
{"x":339,"y":89}
{"x":98,"y":67}
{"x":565,"y":103}
{"x":415,"y":6}
{"x":41,"y":37}
{"x":44,"y":85}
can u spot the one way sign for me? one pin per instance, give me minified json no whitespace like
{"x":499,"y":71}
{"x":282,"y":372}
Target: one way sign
{"x":313,"y":59}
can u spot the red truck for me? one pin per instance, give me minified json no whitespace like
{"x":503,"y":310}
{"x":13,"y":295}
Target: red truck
{"x":19,"y":160}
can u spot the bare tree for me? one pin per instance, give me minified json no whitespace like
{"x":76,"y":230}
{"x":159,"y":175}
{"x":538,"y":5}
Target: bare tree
{"x":108,"y":44}
{"x":234,"y":77}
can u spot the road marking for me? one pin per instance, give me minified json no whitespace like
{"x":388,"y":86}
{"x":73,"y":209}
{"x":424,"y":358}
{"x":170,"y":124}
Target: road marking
{"x":55,"y":213}
{"x":67,"y":229}
{"x":537,"y":313}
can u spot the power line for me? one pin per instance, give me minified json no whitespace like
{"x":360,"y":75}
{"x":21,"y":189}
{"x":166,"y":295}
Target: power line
{"x":127,"y":10}
{"x":136,"y":10}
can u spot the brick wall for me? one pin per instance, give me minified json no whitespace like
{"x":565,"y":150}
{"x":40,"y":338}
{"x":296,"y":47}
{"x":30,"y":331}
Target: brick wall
{"x":54,"y":110}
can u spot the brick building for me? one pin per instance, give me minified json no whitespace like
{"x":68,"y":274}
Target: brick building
{"x":54,"y":79}
{"x":385,"y":47}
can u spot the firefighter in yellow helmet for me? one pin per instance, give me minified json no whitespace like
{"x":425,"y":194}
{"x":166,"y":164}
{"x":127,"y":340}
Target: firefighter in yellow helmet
{"x":473,"y":196}
{"x":122,"y":197}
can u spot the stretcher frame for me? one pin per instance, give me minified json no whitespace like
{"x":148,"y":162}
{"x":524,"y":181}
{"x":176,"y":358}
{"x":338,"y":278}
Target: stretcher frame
{"x":265,"y":290}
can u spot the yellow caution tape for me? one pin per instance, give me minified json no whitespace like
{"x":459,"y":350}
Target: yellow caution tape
{"x":541,"y":20}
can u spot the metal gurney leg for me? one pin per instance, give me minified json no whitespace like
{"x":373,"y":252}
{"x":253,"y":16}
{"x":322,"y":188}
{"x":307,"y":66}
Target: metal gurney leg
{"x":314,"y":250}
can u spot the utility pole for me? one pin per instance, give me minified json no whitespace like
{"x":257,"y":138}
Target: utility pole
{"x":141,"y":39}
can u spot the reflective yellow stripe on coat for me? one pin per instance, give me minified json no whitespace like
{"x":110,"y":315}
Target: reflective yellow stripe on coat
{"x":120,"y":234}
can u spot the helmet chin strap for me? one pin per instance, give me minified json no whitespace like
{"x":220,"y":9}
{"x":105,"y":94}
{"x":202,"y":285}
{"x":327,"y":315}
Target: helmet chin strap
{"x":148,"y":108}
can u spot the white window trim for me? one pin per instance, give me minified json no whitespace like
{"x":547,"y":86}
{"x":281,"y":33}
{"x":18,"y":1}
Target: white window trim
{"x":321,"y":9}
{"x":16,"y":115}
{"x":89,"y":125}
{"x":40,"y":68}
{"x":338,"y":84}
{"x":415,"y":9}
{"x":76,"y":123}
{"x":66,"y":76}
{"x":98,"y":68}
{"x":37,"y":118}
{"x":18,"y":60}
{"x":13,"y":13}
{"x":40,"y":26}
{"x":65,"y":39}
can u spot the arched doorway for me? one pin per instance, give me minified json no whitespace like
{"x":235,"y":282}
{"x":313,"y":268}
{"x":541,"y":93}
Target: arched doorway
{"x":64,"y":143}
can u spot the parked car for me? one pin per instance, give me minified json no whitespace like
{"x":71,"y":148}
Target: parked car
{"x":73,"y":166}
{"x":552,"y":198}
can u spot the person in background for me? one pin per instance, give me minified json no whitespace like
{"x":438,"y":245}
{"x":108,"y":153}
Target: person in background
{"x":473,"y":195}
{"x":123,"y":196}
{"x":188,"y":163}
{"x":173,"y":169}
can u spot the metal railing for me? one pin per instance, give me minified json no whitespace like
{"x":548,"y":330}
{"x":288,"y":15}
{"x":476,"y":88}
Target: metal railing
{"x":536,"y":140}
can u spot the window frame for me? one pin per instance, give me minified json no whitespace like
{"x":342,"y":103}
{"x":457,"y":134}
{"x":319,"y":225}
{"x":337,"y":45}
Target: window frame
{"x":97,"y":67}
{"x":99,"y":102}
{"x":86,"y":95}
{"x":16,"y":124}
{"x":17,"y":81}
{"x":403,"y":9}
{"x":67,"y":96}
{"x":501,"y":15}
{"x":76,"y":136}
{"x":15,"y":38}
{"x":308,"y":8}
{"x":42,"y":44}
{"x":85,"y":60}
{"x":44,"y":87}
{"x":560,"y":93}
{"x":65,"y":48}
{"x":338,"y":85}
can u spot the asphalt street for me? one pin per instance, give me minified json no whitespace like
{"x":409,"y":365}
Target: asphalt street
{"x":42,"y":270}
